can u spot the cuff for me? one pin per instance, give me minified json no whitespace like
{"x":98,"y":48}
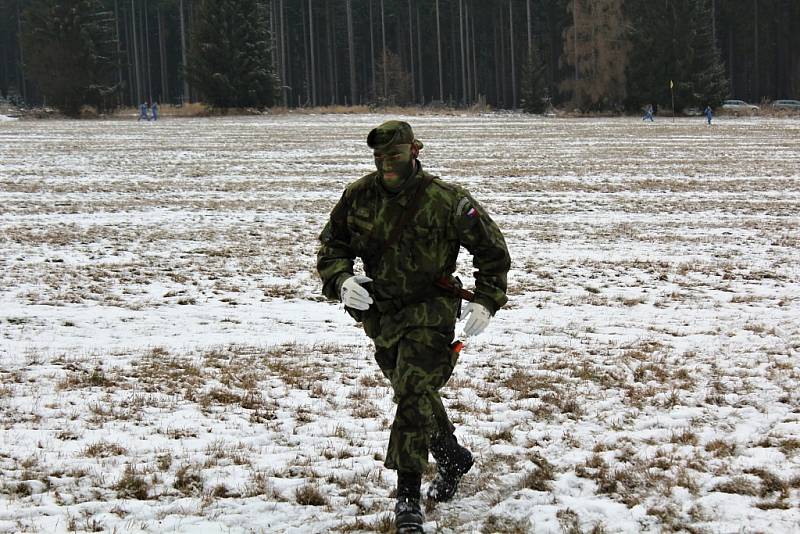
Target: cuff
{"x":340,"y":279}
{"x":486,"y":303}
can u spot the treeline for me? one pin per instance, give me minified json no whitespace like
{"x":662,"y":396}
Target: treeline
{"x":592,"y":54}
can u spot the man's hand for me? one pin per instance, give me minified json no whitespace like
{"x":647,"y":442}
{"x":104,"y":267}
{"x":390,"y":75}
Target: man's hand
{"x":477,"y":317}
{"x":353,"y":295}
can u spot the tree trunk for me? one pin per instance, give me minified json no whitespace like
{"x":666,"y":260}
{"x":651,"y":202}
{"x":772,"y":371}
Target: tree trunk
{"x":419,"y":60}
{"x":470,"y":37}
{"x":333,"y":71}
{"x":119,"y":54}
{"x":183,"y":54}
{"x":464,"y":99}
{"x":351,"y":54}
{"x":714,"y":21}
{"x":22,"y":84}
{"x":273,"y":36}
{"x":502,"y":63}
{"x":530,"y":33}
{"x":513,"y":64}
{"x":474,"y":54}
{"x":146,"y":39}
{"x":284,"y":72}
{"x":411,"y":55}
{"x":757,"y":91}
{"x":575,"y":42}
{"x":131,"y":86}
{"x":439,"y":52}
{"x":136,"y":56}
{"x":730,"y":60}
{"x":313,"y":62}
{"x":372,"y":54}
{"x":383,"y":37}
{"x":162,"y":51}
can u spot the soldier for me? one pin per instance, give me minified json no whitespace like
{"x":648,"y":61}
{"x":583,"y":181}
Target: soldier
{"x":407,"y":227}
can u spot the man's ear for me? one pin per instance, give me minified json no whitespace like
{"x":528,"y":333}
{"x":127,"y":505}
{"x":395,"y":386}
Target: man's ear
{"x":414,"y":151}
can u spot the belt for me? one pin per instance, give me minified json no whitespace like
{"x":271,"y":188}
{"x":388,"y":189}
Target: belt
{"x":437,"y":289}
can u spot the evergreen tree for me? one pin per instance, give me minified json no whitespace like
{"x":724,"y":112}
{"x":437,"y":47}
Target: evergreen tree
{"x":229,"y":56}
{"x":709,"y":83}
{"x":680,"y":48}
{"x":69,"y":53}
{"x":535,"y":95}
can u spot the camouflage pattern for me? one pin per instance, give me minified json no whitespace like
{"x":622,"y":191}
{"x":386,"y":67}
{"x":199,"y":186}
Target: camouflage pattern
{"x":412,"y":322}
{"x":392,"y":133}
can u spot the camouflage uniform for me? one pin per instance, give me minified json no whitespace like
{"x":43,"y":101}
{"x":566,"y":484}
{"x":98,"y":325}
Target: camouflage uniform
{"x":412,"y":322}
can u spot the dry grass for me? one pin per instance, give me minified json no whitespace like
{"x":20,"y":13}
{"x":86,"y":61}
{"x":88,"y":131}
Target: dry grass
{"x":649,"y":326}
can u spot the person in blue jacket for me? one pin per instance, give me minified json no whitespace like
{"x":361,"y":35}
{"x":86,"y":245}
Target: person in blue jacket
{"x":709,"y":114}
{"x":648,"y":113}
{"x":154,"y":111}
{"x":143,"y":112}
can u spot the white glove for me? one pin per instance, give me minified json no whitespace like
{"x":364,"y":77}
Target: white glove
{"x":477,"y":317}
{"x":353,"y":295}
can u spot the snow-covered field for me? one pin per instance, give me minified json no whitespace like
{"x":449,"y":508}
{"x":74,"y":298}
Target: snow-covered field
{"x":168,"y":364}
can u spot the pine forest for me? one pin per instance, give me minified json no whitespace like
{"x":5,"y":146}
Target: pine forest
{"x":589,"y":55}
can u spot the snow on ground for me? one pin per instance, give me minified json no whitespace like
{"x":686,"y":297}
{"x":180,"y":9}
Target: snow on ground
{"x":168,"y":364}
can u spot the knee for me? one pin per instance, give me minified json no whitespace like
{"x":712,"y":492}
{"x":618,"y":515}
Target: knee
{"x":413,"y":409}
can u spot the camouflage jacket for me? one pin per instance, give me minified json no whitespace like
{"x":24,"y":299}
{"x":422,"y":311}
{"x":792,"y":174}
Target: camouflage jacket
{"x":427,"y":249}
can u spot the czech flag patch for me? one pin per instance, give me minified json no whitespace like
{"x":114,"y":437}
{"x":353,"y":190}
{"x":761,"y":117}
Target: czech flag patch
{"x":472,"y":213}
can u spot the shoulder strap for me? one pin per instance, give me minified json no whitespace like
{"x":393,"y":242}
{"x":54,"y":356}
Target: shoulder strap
{"x":406,"y":215}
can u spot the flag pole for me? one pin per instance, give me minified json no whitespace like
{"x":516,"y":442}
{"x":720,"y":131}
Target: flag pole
{"x":672,"y":93}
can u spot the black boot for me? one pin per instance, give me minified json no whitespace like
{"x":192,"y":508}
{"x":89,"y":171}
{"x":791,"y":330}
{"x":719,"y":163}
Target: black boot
{"x":408,"y":517}
{"x":452,"y":462}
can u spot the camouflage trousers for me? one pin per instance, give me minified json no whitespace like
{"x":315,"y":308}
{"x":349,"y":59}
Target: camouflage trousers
{"x":418,"y":365}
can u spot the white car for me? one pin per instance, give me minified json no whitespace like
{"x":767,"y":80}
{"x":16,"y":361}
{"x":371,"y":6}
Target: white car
{"x":786,"y":104}
{"x":739,"y":105}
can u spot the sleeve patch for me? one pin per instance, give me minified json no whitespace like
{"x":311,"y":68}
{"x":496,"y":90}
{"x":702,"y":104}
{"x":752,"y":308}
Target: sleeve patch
{"x":462,"y":204}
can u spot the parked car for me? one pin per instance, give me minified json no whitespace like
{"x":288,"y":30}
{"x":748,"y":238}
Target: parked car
{"x":739,"y":105}
{"x":786,"y":104}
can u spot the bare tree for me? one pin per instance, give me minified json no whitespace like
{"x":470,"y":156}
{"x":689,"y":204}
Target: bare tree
{"x":146,"y":40}
{"x":419,"y":59}
{"x":162,"y":51}
{"x":463,"y":52}
{"x":312,"y":66}
{"x":183,"y":51}
{"x":411,"y":55}
{"x":136,"y":55}
{"x":351,"y":54}
{"x":385,"y":57}
{"x":513,"y":64}
{"x":439,"y":52}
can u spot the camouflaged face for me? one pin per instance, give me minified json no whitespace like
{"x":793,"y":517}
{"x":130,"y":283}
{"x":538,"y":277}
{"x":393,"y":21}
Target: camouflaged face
{"x":392,"y":133}
{"x":394,"y":162}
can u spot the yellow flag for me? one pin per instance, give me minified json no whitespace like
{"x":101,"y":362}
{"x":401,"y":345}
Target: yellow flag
{"x":670,"y":84}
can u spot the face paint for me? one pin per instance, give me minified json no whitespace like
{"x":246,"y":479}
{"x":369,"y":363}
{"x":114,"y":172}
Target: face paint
{"x":394,"y":162}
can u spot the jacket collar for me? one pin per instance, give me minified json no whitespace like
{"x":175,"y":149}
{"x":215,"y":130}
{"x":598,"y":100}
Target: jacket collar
{"x":404,"y":194}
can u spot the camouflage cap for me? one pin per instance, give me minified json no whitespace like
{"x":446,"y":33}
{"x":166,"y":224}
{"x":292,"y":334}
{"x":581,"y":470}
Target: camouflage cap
{"x":392,"y":133}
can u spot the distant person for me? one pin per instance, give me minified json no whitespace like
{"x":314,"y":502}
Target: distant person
{"x":143,"y":112}
{"x":154,"y":111}
{"x":709,"y":113}
{"x":648,"y":113}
